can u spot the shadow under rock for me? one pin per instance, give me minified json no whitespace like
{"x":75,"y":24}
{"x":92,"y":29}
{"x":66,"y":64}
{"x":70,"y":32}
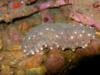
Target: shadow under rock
{"x":86,"y":66}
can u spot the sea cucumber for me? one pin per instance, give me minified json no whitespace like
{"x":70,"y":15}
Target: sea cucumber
{"x":57,"y":35}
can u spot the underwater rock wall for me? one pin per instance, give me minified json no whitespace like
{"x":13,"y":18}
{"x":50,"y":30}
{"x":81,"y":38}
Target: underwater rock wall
{"x":21,"y":19}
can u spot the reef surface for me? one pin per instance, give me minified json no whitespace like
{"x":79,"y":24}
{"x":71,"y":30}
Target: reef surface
{"x":46,"y":37}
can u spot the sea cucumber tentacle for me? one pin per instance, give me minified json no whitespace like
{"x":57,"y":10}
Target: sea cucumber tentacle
{"x":56,"y":35}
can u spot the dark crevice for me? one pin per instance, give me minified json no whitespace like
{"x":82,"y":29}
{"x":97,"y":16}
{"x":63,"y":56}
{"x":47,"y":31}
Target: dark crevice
{"x":86,"y":66}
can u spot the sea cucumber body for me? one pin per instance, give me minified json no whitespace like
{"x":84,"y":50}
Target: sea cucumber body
{"x":54,"y":35}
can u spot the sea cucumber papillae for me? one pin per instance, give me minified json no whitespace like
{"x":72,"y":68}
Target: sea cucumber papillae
{"x":55,"y":35}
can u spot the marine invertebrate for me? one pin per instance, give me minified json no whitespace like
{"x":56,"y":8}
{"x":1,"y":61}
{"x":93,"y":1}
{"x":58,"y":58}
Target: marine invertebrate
{"x":57,"y":35}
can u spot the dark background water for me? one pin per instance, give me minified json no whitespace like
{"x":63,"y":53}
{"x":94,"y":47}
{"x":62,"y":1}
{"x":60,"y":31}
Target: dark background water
{"x":87,"y":66}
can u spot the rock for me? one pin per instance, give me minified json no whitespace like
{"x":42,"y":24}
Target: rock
{"x":1,"y":43}
{"x":41,"y":70}
{"x":6,"y":70}
{"x":31,"y":62}
{"x":55,"y":61}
